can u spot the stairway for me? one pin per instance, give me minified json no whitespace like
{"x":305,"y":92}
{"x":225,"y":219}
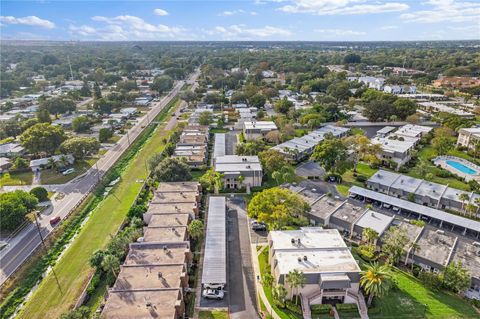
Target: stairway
{"x":361,"y":305}
{"x":307,"y":314}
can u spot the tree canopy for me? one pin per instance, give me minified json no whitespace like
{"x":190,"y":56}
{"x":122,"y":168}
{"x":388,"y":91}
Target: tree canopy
{"x":172,"y":170}
{"x":14,"y":206}
{"x":42,"y":138}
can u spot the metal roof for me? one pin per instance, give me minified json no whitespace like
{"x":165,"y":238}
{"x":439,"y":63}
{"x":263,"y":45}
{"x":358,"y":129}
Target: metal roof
{"x":215,"y":257}
{"x":420,"y":209}
{"x":219,"y":147}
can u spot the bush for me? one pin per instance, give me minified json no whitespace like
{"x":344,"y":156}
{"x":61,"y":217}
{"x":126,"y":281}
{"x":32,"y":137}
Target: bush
{"x":93,"y":283}
{"x":347,"y":307}
{"x":366,"y":252}
{"x":361,"y":178}
{"x":430,"y":280}
{"x":40,"y":193}
{"x":136,"y":211}
{"x":290,"y":305}
{"x":320,"y":309}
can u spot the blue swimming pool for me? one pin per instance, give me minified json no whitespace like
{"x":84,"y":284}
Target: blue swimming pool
{"x":462,"y":168}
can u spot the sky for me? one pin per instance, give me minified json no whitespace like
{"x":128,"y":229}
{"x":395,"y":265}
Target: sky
{"x":259,"y":20}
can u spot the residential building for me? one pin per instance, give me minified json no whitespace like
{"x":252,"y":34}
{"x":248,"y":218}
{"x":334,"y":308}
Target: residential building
{"x":11,"y":150}
{"x":192,"y":145}
{"x":5,"y":164}
{"x":234,"y":166}
{"x":456,"y":82}
{"x":257,"y":129}
{"x":467,"y":137}
{"x":59,"y":160}
{"x":219,"y":148}
{"x":331,"y":273}
{"x":370,"y":81}
{"x":300,"y":148}
{"x":435,"y":107}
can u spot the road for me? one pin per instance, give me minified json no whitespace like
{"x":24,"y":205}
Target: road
{"x":22,"y":245}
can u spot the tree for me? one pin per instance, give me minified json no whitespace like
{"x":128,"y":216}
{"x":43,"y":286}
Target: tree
{"x":58,"y":105}
{"x":283,"y":106}
{"x":369,"y":235}
{"x":97,"y":258}
{"x":104,"y":134}
{"x":188,"y":96}
{"x":404,"y":108}
{"x":277,"y":207}
{"x":42,"y":138}
{"x":378,"y":110}
{"x":212,"y":181}
{"x":455,"y":277}
{"x":20,"y":163}
{"x":414,"y":247}
{"x":80,"y":124}
{"x":172,"y":170}
{"x":273,"y":137}
{"x":97,"y":92}
{"x":464,"y":197}
{"x":110,"y":263}
{"x":442,"y":144}
{"x":195,"y":229}
{"x":43,"y":116}
{"x":40,"y":193}
{"x":99,"y":75}
{"x":332,"y":154}
{"x":258,"y":100}
{"x":103,"y":105}
{"x":14,"y":206}
{"x":80,"y":147}
{"x":352,"y":58}
{"x":376,"y":280}
{"x":250,"y":148}
{"x":296,"y":279}
{"x":279,"y":293}
{"x":79,"y":313}
{"x":205,"y":118}
{"x":339,"y":90}
{"x":162,"y":84}
{"x":85,"y":90}
{"x":394,"y":243}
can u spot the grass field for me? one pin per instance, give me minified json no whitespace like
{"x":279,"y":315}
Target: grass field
{"x":349,"y":180}
{"x":73,"y":269}
{"x":16,"y":179}
{"x":214,"y":314}
{"x":51,"y":176}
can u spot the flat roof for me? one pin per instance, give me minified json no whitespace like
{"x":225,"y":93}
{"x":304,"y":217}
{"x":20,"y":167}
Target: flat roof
{"x":167,"y":208}
{"x":174,"y":187}
{"x":238,"y":167}
{"x":412,"y":230}
{"x":468,"y":253}
{"x":165,"y":234}
{"x":133,"y":304}
{"x":260,"y":125}
{"x":394,"y":145}
{"x":377,"y":221}
{"x":324,"y":206}
{"x":147,"y":277}
{"x":420,"y":209}
{"x":156,"y":254}
{"x":435,"y":246}
{"x":172,"y":198}
{"x":310,"y":238}
{"x":412,"y":130}
{"x":219,"y":146}
{"x":407,"y":183}
{"x":349,"y":212}
{"x":169,"y":220}
{"x":386,"y":130}
{"x":215,"y":254}
{"x":236,"y":159}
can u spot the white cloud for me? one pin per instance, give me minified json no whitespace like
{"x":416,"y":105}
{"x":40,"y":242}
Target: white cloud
{"x":342,"y":7}
{"x":160,"y":12}
{"x":30,"y":20}
{"x":340,"y":32}
{"x":241,"y":31}
{"x":253,"y":13}
{"x":389,"y":27}
{"x":126,"y":27}
{"x":231,"y":13}
{"x":446,"y":11}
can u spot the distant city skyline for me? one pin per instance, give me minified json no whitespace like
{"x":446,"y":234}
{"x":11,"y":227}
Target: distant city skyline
{"x":277,"y":20}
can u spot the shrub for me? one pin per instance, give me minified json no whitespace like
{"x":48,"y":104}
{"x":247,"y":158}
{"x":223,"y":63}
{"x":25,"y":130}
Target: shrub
{"x":40,"y":193}
{"x":290,"y":305}
{"x":366,"y":252}
{"x":419,"y":223}
{"x":430,"y":280}
{"x":320,"y":309}
{"x":361,"y":178}
{"x":136,"y":211}
{"x":347,"y":307}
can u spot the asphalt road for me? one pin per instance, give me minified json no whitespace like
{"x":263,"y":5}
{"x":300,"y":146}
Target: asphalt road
{"x":26,"y":241}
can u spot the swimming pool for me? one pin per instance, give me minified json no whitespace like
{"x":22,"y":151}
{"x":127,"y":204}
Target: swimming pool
{"x":462,"y":168}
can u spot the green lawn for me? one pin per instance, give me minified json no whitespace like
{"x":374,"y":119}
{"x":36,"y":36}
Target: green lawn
{"x":73,"y":269}
{"x":214,"y":314}
{"x":408,"y":300}
{"x":51,"y":176}
{"x":16,"y":179}
{"x":348,"y":179}
{"x":264,"y":268}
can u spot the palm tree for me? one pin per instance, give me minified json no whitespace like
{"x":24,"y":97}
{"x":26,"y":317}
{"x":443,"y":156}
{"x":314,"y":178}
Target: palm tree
{"x":195,"y":229}
{"x":375,"y":280}
{"x":464,"y":197}
{"x":369,"y":235}
{"x":279,"y":293}
{"x":296,"y":279}
{"x":51,"y":163}
{"x":218,"y":182}
{"x":241,"y":179}
{"x":267,"y":279}
{"x":477,"y":202}
{"x":471,"y":209}
{"x":414,"y":247}
{"x":111,"y":263}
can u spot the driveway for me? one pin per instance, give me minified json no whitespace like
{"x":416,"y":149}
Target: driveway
{"x":241,"y":281}
{"x":230,"y":142}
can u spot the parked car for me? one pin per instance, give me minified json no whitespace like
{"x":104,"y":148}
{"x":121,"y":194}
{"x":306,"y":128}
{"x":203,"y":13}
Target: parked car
{"x":352,"y":196}
{"x":55,"y":220}
{"x":259,"y":226}
{"x":69,"y":171}
{"x":396,"y":209}
{"x":387,"y":206}
{"x":213,"y":294}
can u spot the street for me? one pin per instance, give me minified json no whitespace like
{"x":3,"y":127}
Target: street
{"x":21,"y":246}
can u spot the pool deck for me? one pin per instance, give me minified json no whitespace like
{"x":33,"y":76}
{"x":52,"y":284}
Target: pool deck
{"x":442,"y":162}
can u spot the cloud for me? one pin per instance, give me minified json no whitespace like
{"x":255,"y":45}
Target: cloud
{"x":342,"y":7}
{"x":241,"y":31}
{"x":340,"y":32}
{"x":30,"y":20}
{"x":235,"y":12}
{"x":125,"y":27}
{"x":445,"y":11}
{"x":389,"y":27}
{"x":160,"y":12}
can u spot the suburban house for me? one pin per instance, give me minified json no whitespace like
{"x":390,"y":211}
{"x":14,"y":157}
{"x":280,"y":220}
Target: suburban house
{"x":331,"y":272}
{"x":192,"y":145}
{"x":234,"y":166}
{"x":467,"y":137}
{"x":370,"y":81}
{"x":5,"y":164}
{"x":456,"y":82}
{"x":11,"y":150}
{"x":257,"y":129}
{"x":59,"y":160}
{"x":435,"y":107}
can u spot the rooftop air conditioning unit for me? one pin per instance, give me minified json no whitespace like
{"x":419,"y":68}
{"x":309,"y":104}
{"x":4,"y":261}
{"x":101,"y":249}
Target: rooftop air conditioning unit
{"x":305,"y":258}
{"x":299,"y":259}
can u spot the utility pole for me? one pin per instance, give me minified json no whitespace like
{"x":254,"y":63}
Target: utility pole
{"x":70,"y":65}
{"x":45,"y":246}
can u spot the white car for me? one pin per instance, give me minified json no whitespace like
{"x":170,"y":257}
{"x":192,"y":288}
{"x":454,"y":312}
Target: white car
{"x":395,"y":209}
{"x":69,"y":171}
{"x":387,"y":206}
{"x":213,"y":294}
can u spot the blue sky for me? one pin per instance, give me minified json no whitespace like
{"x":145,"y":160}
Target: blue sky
{"x":296,"y":20}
